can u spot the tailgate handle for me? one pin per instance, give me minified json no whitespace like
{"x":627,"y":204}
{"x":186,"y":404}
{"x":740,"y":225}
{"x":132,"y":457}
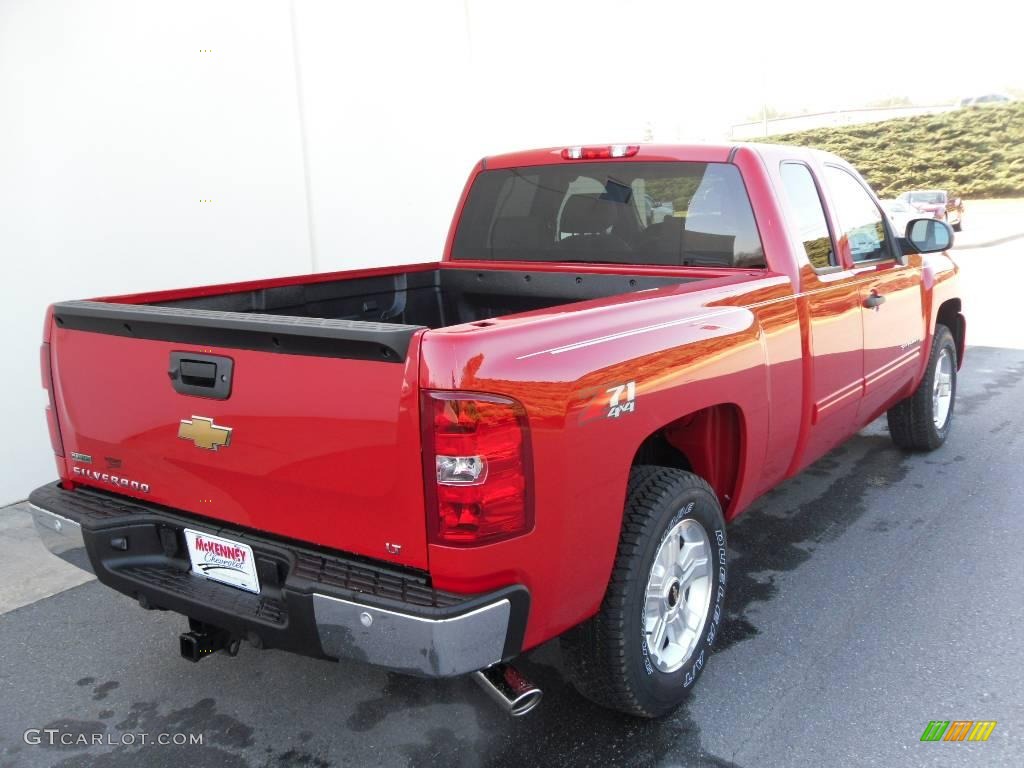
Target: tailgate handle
{"x":201,"y":375}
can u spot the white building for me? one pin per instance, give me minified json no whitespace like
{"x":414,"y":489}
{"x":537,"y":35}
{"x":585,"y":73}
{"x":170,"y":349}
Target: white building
{"x":150,"y":145}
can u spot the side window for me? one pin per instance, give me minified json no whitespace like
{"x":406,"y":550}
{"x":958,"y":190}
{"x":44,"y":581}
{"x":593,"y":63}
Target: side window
{"x":810,"y":216}
{"x":859,"y":217}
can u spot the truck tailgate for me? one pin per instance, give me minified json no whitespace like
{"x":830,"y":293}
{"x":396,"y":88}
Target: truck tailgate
{"x":321,"y":449}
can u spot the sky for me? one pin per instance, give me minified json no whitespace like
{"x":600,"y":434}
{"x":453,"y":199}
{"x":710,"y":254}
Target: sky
{"x":677,"y":71}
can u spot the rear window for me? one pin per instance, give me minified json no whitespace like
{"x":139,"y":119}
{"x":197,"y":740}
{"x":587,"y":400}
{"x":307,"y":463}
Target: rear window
{"x":670,"y":214}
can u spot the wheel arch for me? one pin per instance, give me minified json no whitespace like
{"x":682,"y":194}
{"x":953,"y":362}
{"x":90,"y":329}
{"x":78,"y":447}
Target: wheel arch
{"x":709,"y":442}
{"x":949,"y":314}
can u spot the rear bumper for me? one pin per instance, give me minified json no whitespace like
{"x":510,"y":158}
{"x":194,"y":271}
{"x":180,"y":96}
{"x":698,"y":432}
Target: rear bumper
{"x":62,"y":536}
{"x":313,"y":602}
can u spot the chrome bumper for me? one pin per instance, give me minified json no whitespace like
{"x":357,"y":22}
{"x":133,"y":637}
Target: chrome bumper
{"x":412,"y":644}
{"x":62,"y":537}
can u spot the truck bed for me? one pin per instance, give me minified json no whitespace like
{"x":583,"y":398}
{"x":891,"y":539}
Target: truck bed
{"x":434,"y":299}
{"x":368,"y":317}
{"x":311,"y":388}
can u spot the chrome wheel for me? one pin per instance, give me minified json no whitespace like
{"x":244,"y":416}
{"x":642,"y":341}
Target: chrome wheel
{"x":942,"y":389}
{"x":678,"y":595}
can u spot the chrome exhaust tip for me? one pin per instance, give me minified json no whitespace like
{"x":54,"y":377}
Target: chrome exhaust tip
{"x":507,"y":686}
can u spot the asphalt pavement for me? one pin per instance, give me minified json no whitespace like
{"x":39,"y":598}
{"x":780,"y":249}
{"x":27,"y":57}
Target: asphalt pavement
{"x":873,"y":593}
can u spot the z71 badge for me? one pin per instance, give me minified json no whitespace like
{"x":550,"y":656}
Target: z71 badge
{"x":608,"y":402}
{"x":622,"y":400}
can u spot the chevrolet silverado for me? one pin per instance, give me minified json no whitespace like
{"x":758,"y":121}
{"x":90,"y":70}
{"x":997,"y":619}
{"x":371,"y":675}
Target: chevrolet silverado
{"x":436,"y":467}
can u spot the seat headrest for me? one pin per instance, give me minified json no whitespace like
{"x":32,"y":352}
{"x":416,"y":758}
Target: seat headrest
{"x":588,"y":214}
{"x":516,"y":232}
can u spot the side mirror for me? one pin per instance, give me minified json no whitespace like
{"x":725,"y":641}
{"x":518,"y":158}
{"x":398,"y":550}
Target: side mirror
{"x":929,"y":235}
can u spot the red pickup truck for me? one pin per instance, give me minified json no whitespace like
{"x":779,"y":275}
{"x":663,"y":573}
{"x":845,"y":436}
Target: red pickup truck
{"x":436,"y":467}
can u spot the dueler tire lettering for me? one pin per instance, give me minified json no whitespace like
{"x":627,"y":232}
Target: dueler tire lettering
{"x":607,"y":657}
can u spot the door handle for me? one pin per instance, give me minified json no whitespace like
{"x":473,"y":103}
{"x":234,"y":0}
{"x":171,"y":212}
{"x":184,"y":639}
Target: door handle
{"x":874,"y":300}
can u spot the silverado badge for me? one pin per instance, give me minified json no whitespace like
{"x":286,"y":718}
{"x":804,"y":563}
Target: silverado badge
{"x":204,"y":433}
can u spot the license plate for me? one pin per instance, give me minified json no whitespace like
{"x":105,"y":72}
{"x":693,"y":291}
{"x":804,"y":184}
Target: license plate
{"x":223,"y":560}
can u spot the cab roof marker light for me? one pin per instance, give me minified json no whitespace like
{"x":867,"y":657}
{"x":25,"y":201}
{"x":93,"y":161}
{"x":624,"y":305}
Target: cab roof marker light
{"x":600,"y":153}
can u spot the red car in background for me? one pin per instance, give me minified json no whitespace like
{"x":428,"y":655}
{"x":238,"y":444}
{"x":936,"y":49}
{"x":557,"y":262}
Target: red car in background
{"x":938,"y":204}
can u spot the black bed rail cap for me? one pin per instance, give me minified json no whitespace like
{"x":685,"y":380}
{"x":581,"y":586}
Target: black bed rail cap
{"x":284,"y":334}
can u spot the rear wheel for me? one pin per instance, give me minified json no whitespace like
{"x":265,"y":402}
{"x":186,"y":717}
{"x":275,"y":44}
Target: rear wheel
{"x":649,"y":642}
{"x":959,"y":225}
{"x":922,"y":421}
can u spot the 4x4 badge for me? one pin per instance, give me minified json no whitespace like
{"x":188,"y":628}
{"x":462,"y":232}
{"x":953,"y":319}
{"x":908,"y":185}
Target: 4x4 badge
{"x":204,"y":433}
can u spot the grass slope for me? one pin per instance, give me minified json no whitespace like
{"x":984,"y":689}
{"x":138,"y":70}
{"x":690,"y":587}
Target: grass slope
{"x":974,"y":153}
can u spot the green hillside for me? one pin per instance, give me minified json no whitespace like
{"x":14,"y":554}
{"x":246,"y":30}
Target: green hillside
{"x":976,"y":152}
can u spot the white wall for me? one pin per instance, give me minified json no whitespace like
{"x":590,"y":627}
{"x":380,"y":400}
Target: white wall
{"x":327,"y":135}
{"x":113,"y":127}
{"x":383,"y":99}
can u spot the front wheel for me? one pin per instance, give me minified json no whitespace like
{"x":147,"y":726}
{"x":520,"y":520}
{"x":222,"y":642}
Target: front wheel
{"x":922,"y":421}
{"x":648,"y":643}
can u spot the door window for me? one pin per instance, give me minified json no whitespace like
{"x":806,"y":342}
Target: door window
{"x":861,"y":223}
{"x":810,"y":216}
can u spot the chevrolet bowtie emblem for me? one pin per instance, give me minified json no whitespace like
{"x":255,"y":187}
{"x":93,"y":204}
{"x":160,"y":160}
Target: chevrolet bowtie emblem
{"x":204,"y":433}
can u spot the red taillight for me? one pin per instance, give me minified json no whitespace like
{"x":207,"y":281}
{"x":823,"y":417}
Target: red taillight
{"x":600,"y":153}
{"x":51,"y":409}
{"x":476,"y":464}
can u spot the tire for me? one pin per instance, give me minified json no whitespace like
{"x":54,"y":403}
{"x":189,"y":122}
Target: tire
{"x":918,"y":422}
{"x":608,"y":658}
{"x":958,"y":226}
